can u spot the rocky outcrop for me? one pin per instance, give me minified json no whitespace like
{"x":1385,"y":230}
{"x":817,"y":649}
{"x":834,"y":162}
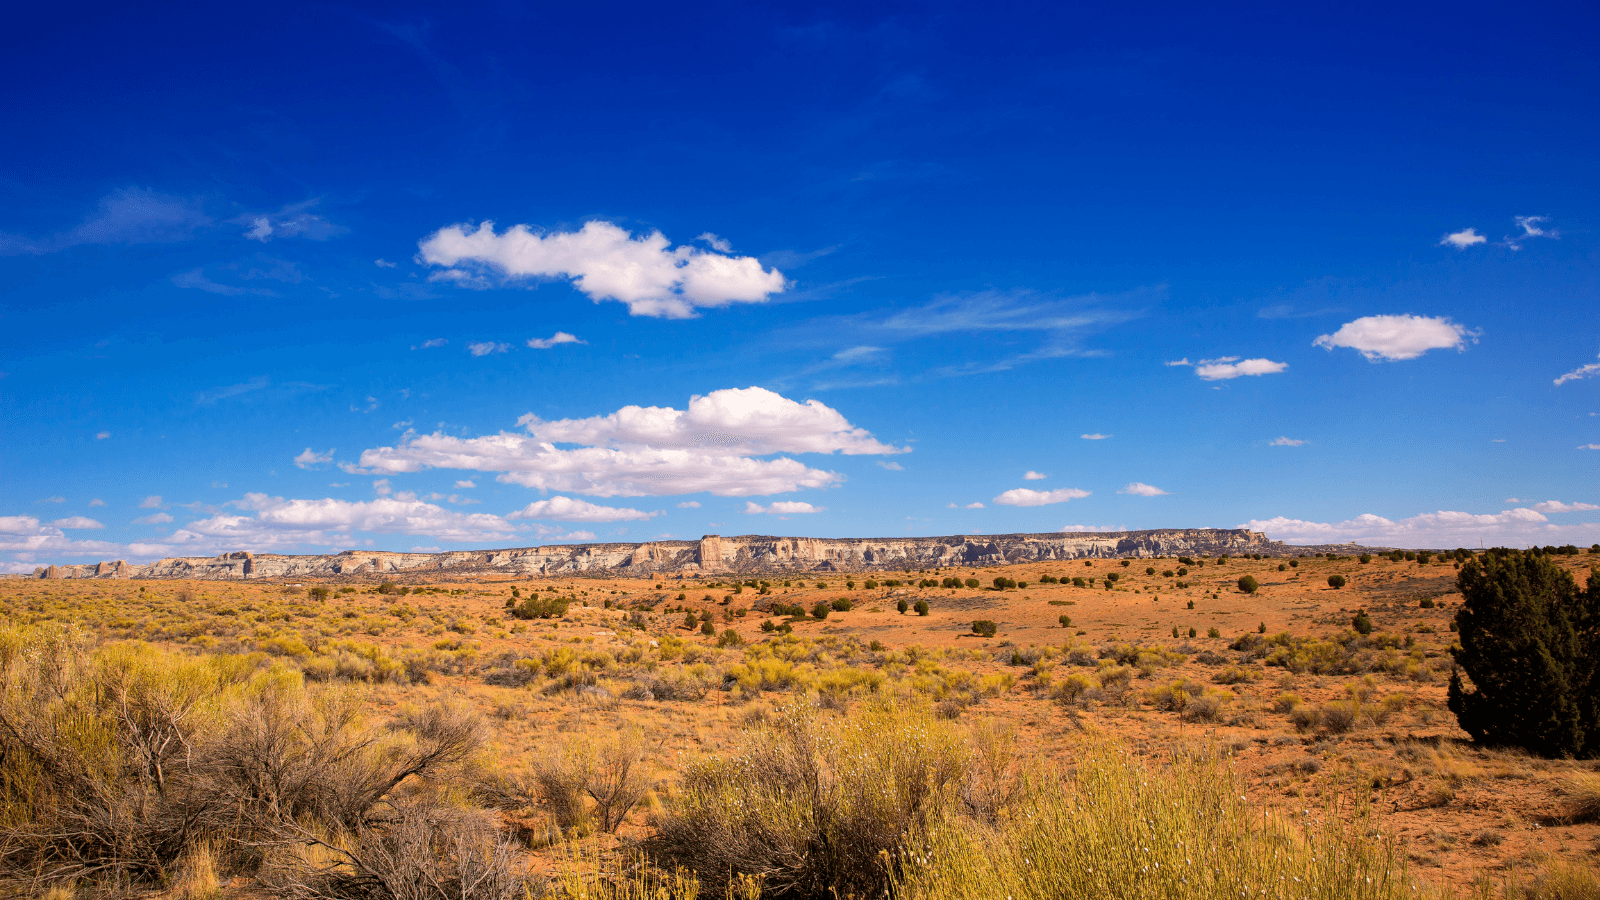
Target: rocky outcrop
{"x":747,"y":554}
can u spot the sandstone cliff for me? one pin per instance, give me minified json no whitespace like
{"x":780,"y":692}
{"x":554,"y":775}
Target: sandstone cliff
{"x":747,"y":554}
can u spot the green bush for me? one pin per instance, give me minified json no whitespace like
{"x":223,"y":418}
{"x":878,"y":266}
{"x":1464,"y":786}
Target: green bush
{"x":984,"y":628}
{"x":532,"y":607}
{"x":1426,"y":603}
{"x":901,"y":606}
{"x":871,"y":585}
{"x":729,"y":638}
{"x":1361,"y":622}
{"x":1126,"y":563}
{"x":1248,"y":585}
{"x":708,"y":629}
{"x":1149,"y":570}
{"x":921,"y":607}
{"x":1079,"y":582}
{"x":1365,"y":558}
{"x":820,"y":609}
{"x":1336,"y":581}
{"x":1530,"y":645}
{"x":1065,"y":620}
{"x":973,"y":582}
{"x":841,"y":604}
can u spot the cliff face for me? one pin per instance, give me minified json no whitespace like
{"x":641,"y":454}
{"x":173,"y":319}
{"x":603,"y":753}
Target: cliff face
{"x":747,"y":554}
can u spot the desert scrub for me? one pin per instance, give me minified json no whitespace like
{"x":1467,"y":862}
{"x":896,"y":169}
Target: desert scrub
{"x":817,"y":806}
{"x":1123,"y":828}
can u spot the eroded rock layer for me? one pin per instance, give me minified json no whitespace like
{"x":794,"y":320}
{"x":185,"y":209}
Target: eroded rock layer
{"x":746,"y":554}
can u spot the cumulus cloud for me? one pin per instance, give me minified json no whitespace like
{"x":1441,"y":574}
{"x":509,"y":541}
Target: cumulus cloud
{"x":1438,"y":529}
{"x":97,"y":502}
{"x":78,"y":522}
{"x":605,"y":262}
{"x":1589,"y":446}
{"x":1285,"y":442}
{"x":715,"y":242}
{"x":1556,"y":506}
{"x":465,"y":483}
{"x":384,"y":264}
{"x":26,"y":536}
{"x":1031,"y":475}
{"x":1226,"y":367}
{"x":892,"y":466}
{"x":560,"y":337}
{"x":1027,"y":497}
{"x":1463,"y":239}
{"x":1579,"y":373}
{"x":1095,"y":437}
{"x":1178,"y":362}
{"x":159,"y":518}
{"x":1397,"y":337}
{"x":1140,"y":489}
{"x":654,"y":451}
{"x":568,"y":509}
{"x":781,"y":508}
{"x":102,"y":435}
{"x":151,"y":502}
{"x":1078,"y":528}
{"x":484,"y":348}
{"x":277,"y":522}
{"x":973,"y":505}
{"x":689,"y":504}
{"x":311,"y":459}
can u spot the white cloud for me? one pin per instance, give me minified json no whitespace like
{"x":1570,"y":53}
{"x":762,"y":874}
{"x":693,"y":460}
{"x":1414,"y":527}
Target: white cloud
{"x":431,"y":343}
{"x":560,"y":337}
{"x":1031,"y":475}
{"x":781,"y":508}
{"x":1532,"y":227}
{"x":311,"y":459}
{"x":1095,"y":437}
{"x":100,"y":436}
{"x":291,"y":221}
{"x":1078,"y":528}
{"x":1397,"y":337}
{"x":97,"y":502}
{"x":891,"y":466}
{"x":1178,"y":362}
{"x":1439,"y":529}
{"x":56,"y":499}
{"x":1463,"y":239}
{"x":77,"y":522}
{"x":568,"y":509}
{"x":127,"y":216}
{"x":484,"y":348}
{"x":1140,"y":489}
{"x":1027,"y":497}
{"x":280,"y":522}
{"x":26,"y":536}
{"x":1285,"y":442}
{"x":1556,"y":506}
{"x":1589,"y":446}
{"x":606,"y":263}
{"x":1232,"y":367}
{"x":384,"y":264}
{"x":159,"y":518}
{"x":465,"y":483}
{"x":689,"y":504}
{"x":715,"y":242}
{"x":151,"y":502}
{"x":1579,"y":373}
{"x":973,"y":505}
{"x":1512,"y":500}
{"x":654,"y":451}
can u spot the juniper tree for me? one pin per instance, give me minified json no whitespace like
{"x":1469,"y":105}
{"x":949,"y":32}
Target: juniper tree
{"x":1530,"y":645}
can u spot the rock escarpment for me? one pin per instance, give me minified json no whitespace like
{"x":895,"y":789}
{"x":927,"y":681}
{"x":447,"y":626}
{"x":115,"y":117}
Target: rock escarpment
{"x":746,"y":554}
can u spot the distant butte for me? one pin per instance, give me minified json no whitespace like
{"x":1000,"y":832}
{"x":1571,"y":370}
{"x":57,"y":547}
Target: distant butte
{"x":712,"y":554}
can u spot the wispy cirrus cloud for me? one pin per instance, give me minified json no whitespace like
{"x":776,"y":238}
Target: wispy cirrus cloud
{"x":293,"y":221}
{"x":1461,"y":240}
{"x":1140,"y":489}
{"x":1579,"y":373}
{"x":126,"y":216}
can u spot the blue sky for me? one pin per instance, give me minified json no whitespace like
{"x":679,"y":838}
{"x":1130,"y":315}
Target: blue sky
{"x":401,"y":275}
